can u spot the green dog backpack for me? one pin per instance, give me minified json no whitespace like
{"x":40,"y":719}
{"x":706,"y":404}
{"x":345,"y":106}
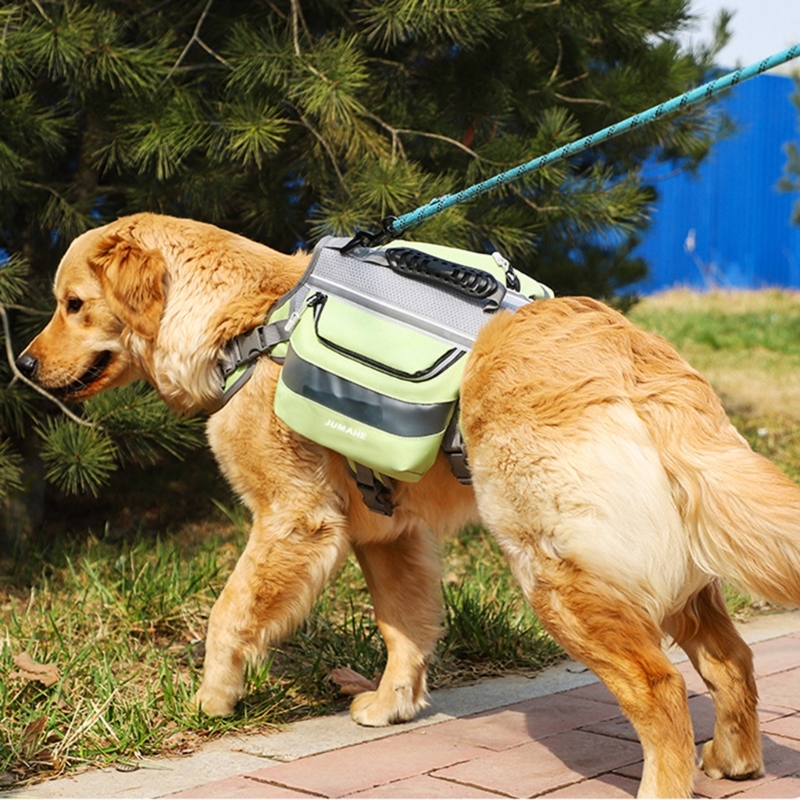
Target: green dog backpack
{"x":373,"y":342}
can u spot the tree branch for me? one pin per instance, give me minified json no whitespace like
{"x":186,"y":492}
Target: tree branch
{"x":196,"y":38}
{"x":557,"y":66}
{"x":214,"y":53}
{"x":297,"y":20}
{"x":295,"y":26}
{"x":318,"y":136}
{"x":535,"y":206}
{"x":19,"y":376}
{"x":395,"y":132}
{"x":582,"y":100}
{"x":274,"y":9}
{"x":27,"y":310}
{"x":447,"y":139}
{"x":573,"y":80}
{"x":46,"y":188}
{"x":5,"y":33}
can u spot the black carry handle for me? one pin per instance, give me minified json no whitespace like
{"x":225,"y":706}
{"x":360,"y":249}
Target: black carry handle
{"x":467,"y":280}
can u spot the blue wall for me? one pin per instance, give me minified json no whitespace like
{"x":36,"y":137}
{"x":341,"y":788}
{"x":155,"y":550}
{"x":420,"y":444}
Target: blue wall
{"x":743,"y":237}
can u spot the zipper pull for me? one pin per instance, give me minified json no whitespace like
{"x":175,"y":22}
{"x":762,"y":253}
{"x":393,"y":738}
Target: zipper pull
{"x":512,"y":281}
{"x":291,"y":322}
{"x":313,"y":301}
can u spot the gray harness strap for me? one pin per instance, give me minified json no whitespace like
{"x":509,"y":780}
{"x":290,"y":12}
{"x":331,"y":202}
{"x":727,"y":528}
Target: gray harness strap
{"x":241,"y":353}
{"x":455,"y":451}
{"x":376,"y":490}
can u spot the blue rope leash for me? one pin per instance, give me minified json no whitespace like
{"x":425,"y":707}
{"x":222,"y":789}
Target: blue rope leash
{"x":392,"y":226}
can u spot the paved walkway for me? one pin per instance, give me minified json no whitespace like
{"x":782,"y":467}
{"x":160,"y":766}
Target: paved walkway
{"x":559,"y":734}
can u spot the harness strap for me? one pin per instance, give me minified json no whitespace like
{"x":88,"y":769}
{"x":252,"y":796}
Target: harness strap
{"x":240,"y":354}
{"x":455,"y":451}
{"x":376,"y":490}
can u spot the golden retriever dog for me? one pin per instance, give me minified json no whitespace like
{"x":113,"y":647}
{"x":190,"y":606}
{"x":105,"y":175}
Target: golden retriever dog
{"x":603,"y":464}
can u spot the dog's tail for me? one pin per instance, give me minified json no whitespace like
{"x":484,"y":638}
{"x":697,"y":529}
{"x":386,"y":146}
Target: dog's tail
{"x":743,"y":517}
{"x":741,"y":513}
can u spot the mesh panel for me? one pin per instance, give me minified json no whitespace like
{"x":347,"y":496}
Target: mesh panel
{"x":438,"y":310}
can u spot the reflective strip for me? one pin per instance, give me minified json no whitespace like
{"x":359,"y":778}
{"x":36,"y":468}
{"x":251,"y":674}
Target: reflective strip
{"x":361,"y":404}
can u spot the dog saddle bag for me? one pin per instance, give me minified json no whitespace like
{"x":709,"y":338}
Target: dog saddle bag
{"x":373,"y":342}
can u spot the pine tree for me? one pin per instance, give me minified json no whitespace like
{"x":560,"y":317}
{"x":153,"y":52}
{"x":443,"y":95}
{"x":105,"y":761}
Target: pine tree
{"x":288,"y":119}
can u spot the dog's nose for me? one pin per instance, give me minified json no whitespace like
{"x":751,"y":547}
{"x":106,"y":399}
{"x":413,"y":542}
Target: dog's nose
{"x":27,"y":365}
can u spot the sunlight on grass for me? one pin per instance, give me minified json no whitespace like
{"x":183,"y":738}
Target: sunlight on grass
{"x":747,"y":344}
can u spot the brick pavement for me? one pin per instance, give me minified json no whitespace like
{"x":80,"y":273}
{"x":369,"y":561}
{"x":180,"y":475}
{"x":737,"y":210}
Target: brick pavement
{"x":570,"y":744}
{"x":558,"y":734}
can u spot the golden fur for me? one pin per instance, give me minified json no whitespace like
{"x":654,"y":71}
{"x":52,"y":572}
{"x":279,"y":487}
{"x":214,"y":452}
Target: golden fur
{"x":603,"y":464}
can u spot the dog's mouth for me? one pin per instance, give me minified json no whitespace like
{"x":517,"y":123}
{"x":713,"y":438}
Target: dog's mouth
{"x":81,"y":385}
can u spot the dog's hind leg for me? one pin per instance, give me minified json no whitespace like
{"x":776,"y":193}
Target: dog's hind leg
{"x":705,"y":632}
{"x":403,"y":576}
{"x":287,"y":560}
{"x":621,"y":644}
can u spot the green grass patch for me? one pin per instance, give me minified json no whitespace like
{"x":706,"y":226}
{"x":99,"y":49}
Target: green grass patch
{"x":741,"y":321}
{"x":123,"y":623}
{"x":719,"y":330}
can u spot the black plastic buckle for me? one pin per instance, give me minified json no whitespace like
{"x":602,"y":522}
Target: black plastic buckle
{"x":376,"y":494}
{"x":249,"y":346}
{"x":255,"y":343}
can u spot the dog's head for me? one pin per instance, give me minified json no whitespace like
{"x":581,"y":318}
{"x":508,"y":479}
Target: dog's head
{"x":154,"y":297}
{"x":109,"y":290}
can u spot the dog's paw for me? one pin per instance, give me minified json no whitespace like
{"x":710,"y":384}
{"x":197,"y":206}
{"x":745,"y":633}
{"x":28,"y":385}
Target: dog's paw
{"x":214,"y":703}
{"x":368,"y":709}
{"x":375,"y":710}
{"x":736,"y":768}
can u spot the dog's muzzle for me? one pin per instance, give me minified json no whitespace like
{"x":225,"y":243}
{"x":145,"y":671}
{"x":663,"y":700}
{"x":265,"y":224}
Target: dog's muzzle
{"x":28,"y":365}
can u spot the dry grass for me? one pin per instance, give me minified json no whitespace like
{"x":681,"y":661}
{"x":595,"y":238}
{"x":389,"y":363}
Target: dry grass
{"x":747,"y":344}
{"x":685,"y":301}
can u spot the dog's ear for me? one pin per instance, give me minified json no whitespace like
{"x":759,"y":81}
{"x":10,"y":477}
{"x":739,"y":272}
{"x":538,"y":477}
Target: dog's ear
{"x":133,"y":281}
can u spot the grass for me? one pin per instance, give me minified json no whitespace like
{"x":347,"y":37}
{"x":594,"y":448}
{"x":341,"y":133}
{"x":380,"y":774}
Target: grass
{"x":116,"y":592}
{"x":748,"y":346}
{"x":123,"y":622}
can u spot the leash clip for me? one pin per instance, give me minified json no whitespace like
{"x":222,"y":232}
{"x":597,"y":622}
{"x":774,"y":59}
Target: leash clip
{"x":367,"y":239}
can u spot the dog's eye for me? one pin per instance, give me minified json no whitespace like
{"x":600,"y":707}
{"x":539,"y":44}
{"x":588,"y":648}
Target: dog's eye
{"x":74,"y":305}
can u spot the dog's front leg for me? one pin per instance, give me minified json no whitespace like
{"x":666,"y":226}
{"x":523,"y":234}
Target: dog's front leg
{"x":403,"y":576}
{"x":281,"y":572}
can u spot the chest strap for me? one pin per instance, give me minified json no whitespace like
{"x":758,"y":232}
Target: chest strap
{"x":376,"y":490}
{"x":455,"y":450}
{"x":241,"y":353}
